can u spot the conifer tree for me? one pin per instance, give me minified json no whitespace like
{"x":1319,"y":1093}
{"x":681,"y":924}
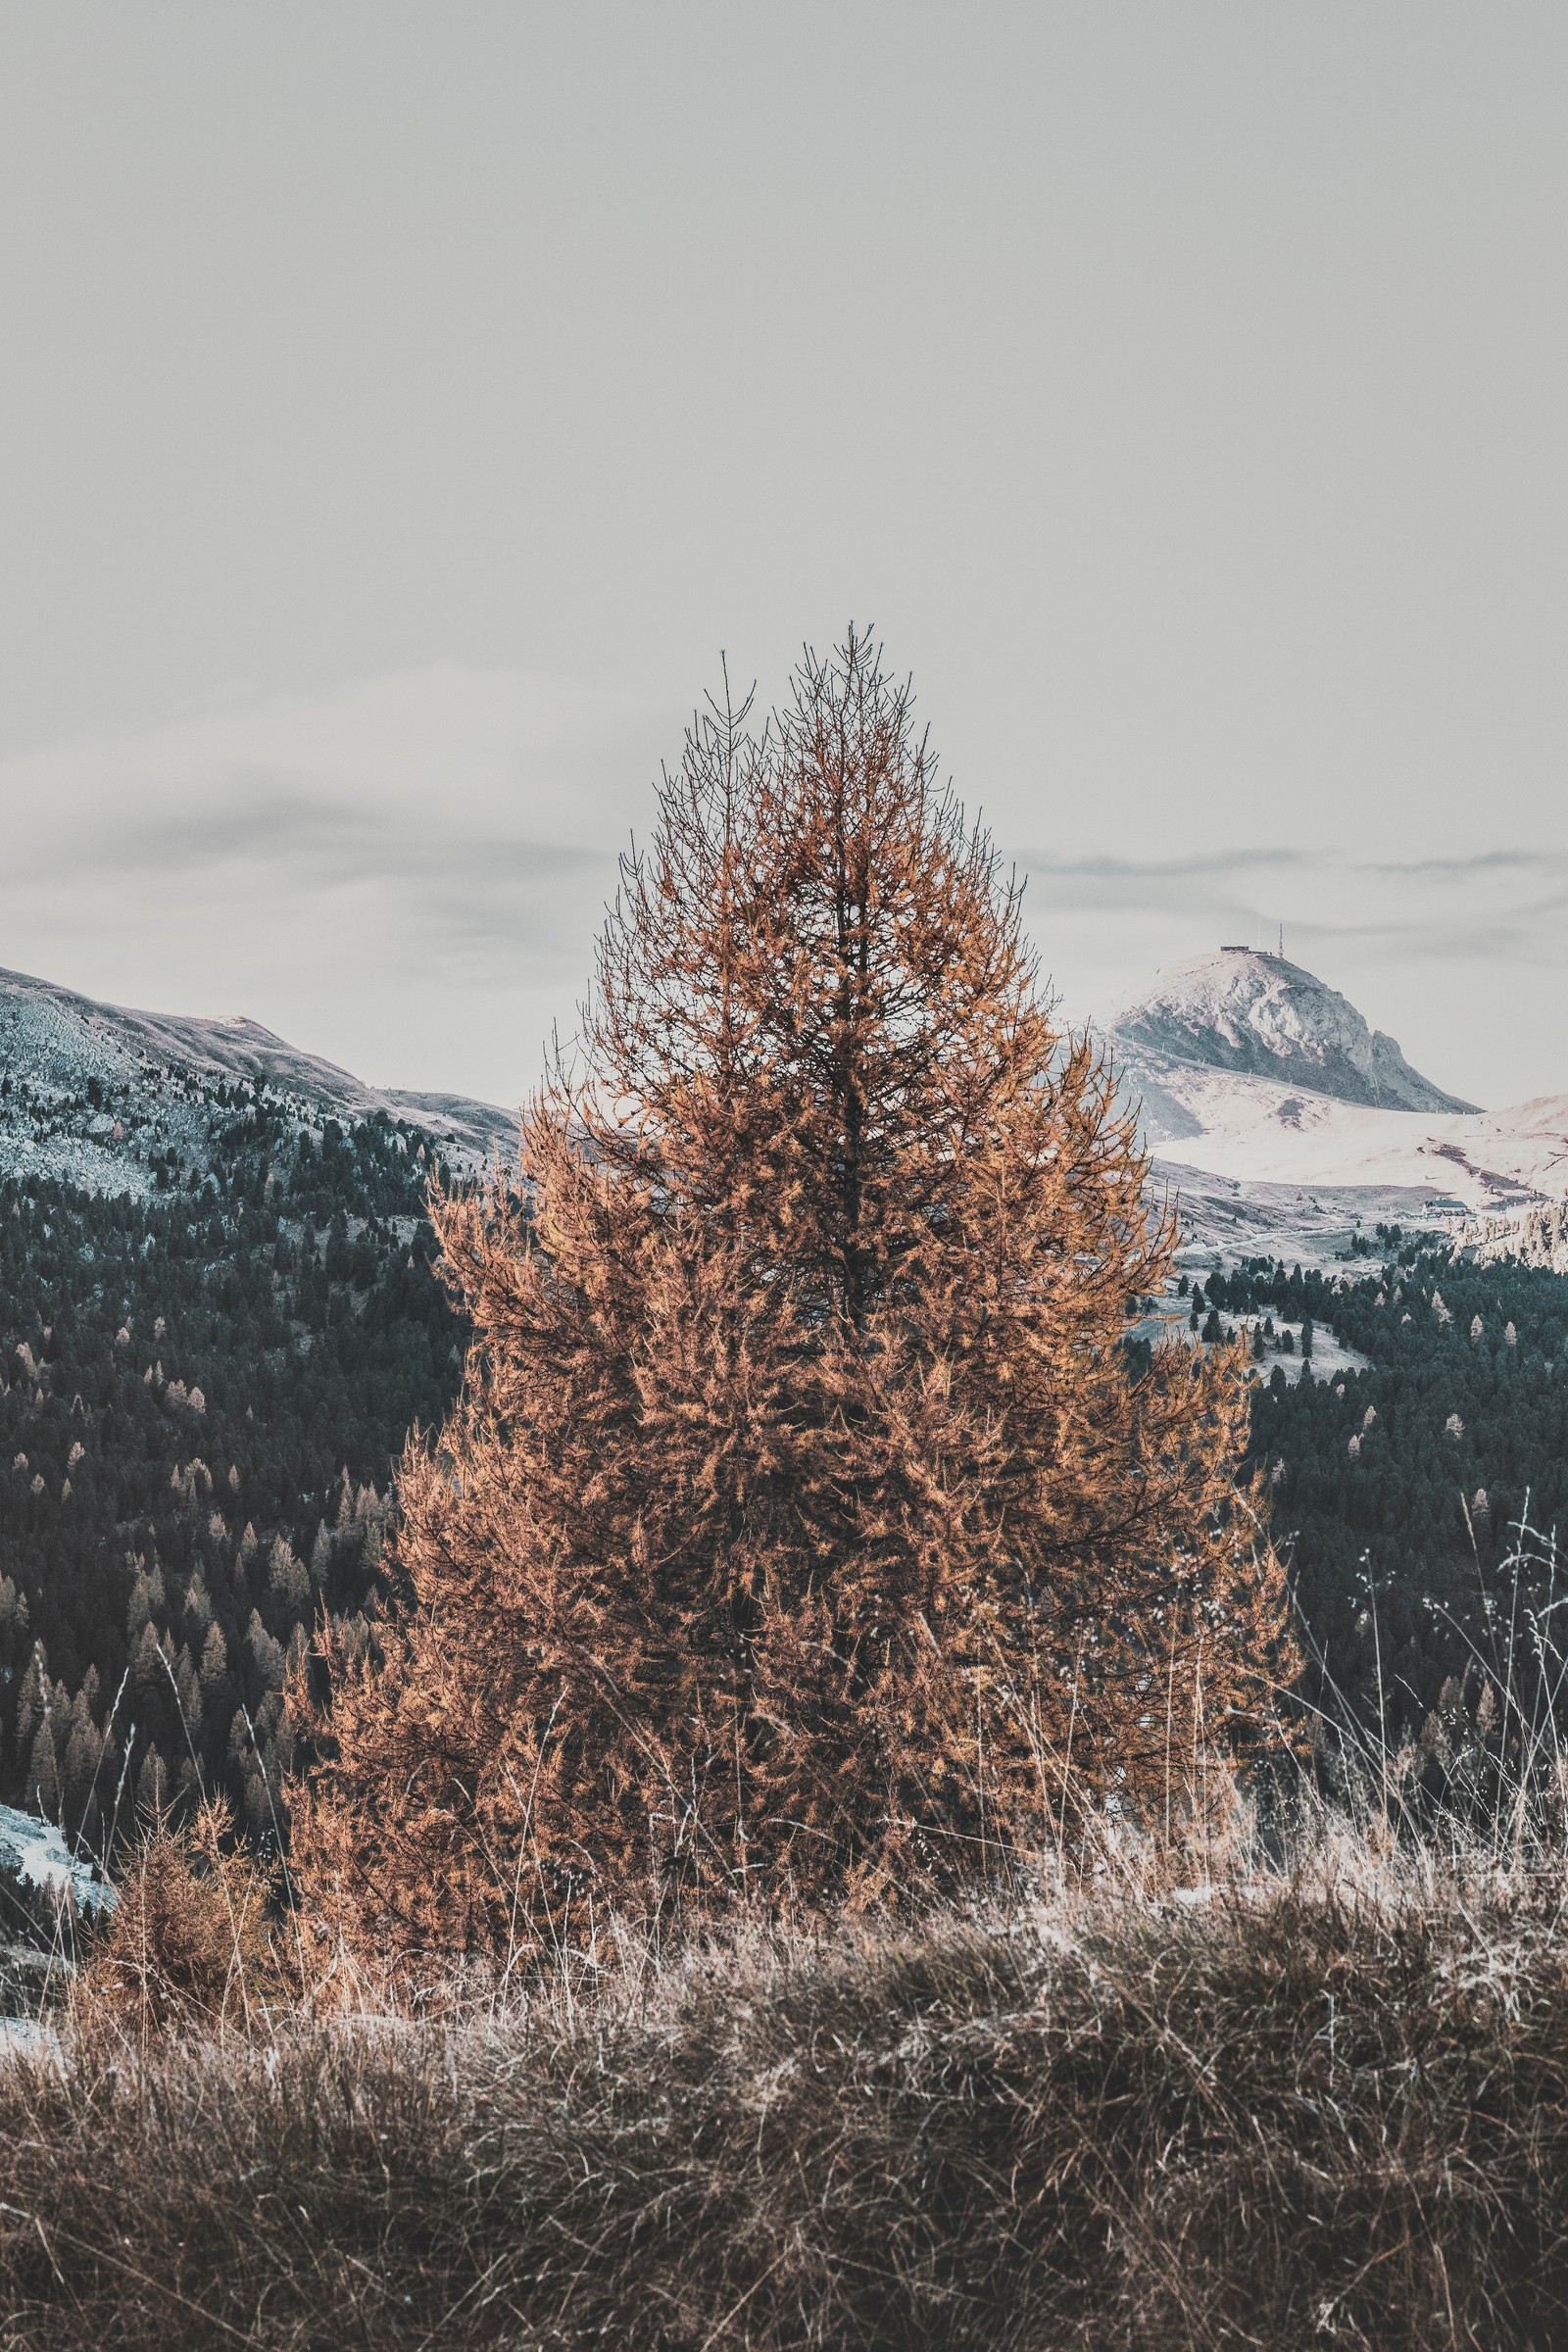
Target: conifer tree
{"x":804,"y":1525}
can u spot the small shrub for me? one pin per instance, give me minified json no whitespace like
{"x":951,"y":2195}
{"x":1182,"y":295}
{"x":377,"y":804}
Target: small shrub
{"x":191,"y":1939}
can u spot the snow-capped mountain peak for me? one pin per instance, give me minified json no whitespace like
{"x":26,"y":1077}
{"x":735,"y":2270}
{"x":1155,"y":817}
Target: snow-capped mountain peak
{"x":1283,"y":1121}
{"x":1256,"y":1013}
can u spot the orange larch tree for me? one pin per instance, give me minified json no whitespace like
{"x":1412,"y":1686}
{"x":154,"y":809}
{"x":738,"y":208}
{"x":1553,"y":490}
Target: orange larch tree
{"x":803,"y":1528}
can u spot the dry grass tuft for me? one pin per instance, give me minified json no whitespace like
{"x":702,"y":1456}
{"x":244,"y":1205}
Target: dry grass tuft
{"x":1325,"y":2107}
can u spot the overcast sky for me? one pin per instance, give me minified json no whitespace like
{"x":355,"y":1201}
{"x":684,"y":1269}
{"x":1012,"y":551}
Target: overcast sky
{"x":401,"y":406}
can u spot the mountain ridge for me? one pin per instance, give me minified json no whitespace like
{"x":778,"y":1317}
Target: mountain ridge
{"x":1262,"y":1097}
{"x":90,"y":1091}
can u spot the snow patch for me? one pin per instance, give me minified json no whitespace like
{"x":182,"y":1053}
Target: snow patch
{"x":36,"y":1851}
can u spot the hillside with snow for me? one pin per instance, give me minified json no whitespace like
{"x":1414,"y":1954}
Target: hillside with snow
{"x":1284,"y":1120}
{"x":91,"y":1093}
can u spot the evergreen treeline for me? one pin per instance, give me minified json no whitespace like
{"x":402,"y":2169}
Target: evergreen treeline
{"x":202,"y":1396}
{"x":1396,"y":1487}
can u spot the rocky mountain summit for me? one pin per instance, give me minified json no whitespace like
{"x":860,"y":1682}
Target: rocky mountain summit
{"x":1285,"y":1122}
{"x":96,"y":1094}
{"x":1244,"y":1010}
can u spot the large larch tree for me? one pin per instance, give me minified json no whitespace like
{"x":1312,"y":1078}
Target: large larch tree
{"x":804,"y":1528}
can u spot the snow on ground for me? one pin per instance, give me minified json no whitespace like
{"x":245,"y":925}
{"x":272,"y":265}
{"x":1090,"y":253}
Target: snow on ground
{"x":1225,"y":1218}
{"x":1260,"y":1131}
{"x":37,"y":1851}
{"x":1284,"y":1174}
{"x":28,"y":2037}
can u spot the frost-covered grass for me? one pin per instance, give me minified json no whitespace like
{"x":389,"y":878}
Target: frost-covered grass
{"x":1320,"y":2103}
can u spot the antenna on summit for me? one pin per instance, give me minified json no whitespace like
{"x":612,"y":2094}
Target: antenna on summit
{"x":1282,"y":943}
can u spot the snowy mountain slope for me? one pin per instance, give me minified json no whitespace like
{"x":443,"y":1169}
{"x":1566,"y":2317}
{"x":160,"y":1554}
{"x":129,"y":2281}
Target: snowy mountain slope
{"x":1253,"y":1079}
{"x":1244,"y":1011}
{"x":1226,"y":1217}
{"x":90,"y":1092}
{"x":1265,"y":1133}
{"x":1284,"y":1121}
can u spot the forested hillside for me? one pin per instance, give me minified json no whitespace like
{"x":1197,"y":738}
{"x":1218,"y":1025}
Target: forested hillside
{"x":204,"y":1393}
{"x":1396,"y":1487}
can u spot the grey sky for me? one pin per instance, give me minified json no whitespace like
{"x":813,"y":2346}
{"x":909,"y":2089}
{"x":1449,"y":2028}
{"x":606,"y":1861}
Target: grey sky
{"x":400,"y":407}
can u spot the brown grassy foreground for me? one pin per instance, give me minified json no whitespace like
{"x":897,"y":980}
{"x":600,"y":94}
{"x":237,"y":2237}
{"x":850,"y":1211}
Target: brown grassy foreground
{"x":1328,"y":2109}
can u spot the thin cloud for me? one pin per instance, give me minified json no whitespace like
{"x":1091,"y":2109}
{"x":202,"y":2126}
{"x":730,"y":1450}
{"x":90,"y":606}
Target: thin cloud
{"x":313,"y":837}
{"x":1208,"y":862}
{"x":1529,"y":935}
{"x":1199,"y":864}
{"x":1503,"y":904}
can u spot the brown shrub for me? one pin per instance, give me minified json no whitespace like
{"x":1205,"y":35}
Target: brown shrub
{"x":191,"y":1940}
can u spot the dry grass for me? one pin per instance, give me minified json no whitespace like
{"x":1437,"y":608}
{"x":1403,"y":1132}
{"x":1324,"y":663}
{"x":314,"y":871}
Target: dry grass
{"x":1330,"y":2107}
{"x":1320,"y":2098}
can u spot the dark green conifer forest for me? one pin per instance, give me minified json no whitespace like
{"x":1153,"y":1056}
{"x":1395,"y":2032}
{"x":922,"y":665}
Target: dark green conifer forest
{"x":204,"y":1396}
{"x":1399,"y":1490}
